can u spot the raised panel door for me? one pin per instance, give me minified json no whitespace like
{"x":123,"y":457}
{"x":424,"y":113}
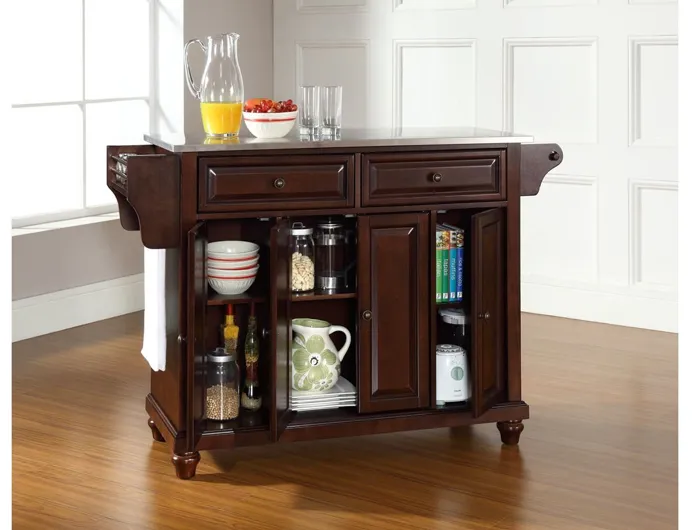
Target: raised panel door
{"x":393,"y":287}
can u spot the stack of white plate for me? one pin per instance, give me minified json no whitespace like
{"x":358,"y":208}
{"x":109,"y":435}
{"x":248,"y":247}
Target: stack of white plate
{"x":342,"y":394}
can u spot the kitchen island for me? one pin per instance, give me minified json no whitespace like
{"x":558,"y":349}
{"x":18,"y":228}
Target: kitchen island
{"x":391,"y":188}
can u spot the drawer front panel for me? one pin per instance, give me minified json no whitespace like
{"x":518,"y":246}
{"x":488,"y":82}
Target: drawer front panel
{"x":275,"y":183}
{"x":426,"y":178}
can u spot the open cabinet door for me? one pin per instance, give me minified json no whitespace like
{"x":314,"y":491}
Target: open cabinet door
{"x":488,"y":309}
{"x":196,"y":299}
{"x":280,"y":293}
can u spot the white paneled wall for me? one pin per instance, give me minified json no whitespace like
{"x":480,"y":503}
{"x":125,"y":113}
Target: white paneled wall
{"x":599,"y":77}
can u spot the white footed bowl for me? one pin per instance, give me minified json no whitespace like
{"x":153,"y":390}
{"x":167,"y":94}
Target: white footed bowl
{"x":270,"y":125}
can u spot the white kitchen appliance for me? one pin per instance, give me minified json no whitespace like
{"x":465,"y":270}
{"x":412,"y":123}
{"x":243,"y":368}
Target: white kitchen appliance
{"x":453,"y":381}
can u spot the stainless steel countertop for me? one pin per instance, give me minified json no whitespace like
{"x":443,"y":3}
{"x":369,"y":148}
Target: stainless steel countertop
{"x":350,"y":138}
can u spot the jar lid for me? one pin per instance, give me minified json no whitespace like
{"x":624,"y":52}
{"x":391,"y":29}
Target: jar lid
{"x":448,"y":349}
{"x":299,"y":229}
{"x":453,"y":316}
{"x":219,"y":355}
{"x":329,"y":224}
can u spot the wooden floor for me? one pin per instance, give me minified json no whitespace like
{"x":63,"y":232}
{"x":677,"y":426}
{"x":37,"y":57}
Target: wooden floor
{"x":599,"y":452}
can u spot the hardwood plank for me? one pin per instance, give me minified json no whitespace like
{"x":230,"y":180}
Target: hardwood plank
{"x":599,"y":452}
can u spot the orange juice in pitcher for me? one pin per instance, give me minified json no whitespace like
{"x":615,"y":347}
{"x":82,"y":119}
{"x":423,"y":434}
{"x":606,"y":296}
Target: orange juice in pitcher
{"x":220,"y":91}
{"x":221,"y":119}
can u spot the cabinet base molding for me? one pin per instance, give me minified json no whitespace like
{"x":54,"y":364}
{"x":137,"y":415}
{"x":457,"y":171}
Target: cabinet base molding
{"x":185,"y":464}
{"x":510,"y":431}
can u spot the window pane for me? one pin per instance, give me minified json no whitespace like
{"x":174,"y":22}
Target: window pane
{"x":46,"y":56}
{"x":117,"y":48}
{"x":118,"y":123}
{"x":49,"y":141}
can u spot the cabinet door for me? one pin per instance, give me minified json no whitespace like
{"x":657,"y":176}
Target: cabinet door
{"x":196,"y":303}
{"x":393,"y":290}
{"x":488,"y":309}
{"x":280,"y":264}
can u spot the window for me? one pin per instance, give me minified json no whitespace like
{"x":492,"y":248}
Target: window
{"x":81,"y":80}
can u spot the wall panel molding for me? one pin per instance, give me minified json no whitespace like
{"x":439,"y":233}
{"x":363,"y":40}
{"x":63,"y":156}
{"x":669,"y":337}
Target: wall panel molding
{"x":432,"y":5}
{"x":305,"y":7}
{"x":548,"y":3}
{"x":327,"y":44}
{"x":400,"y":46}
{"x":636,"y":187}
{"x":635,"y":78}
{"x":508,"y":80}
{"x":590,"y":246}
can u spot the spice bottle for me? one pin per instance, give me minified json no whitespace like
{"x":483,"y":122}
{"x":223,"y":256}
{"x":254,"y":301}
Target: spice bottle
{"x":223,"y":386}
{"x":302,"y":258}
{"x":251,"y":398}
{"x":230,"y":332}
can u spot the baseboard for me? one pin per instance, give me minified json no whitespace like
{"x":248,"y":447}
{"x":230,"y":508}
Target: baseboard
{"x":606,"y":307}
{"x":47,"y":313}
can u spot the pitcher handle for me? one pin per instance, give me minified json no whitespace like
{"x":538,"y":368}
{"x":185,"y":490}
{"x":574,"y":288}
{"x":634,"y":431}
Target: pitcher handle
{"x":188,"y":73}
{"x":340,"y":354}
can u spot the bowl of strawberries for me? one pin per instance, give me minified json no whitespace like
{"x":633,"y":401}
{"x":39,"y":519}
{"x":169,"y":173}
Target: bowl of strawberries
{"x":266,"y":118}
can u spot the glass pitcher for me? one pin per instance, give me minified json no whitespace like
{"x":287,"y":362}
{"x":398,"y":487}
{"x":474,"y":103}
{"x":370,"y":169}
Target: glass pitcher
{"x":221,"y":90}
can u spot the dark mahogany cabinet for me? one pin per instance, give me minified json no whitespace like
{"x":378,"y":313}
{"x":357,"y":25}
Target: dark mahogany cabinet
{"x":390,"y":192}
{"x":393,"y":299}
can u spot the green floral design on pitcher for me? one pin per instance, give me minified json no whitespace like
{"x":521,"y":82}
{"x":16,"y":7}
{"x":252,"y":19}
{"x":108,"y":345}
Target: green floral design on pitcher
{"x":310,"y":360}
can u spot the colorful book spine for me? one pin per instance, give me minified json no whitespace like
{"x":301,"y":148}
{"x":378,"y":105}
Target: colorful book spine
{"x":453,"y":262}
{"x":460,"y":264}
{"x":438,"y":264}
{"x":444,"y":247}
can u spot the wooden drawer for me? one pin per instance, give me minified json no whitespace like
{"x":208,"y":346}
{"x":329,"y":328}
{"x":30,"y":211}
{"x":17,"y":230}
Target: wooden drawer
{"x":275,"y":182}
{"x":427,"y":178}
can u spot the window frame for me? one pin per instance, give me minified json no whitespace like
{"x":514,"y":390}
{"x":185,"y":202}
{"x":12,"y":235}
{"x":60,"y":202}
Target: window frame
{"x":150,"y":99}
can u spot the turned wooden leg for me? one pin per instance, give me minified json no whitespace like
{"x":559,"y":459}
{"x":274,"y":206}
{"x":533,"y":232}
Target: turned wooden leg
{"x":155,"y":433}
{"x":185,"y":464}
{"x":510,"y":431}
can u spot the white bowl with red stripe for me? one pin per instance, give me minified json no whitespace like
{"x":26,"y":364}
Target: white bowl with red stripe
{"x":232,"y":251}
{"x":270,"y":124}
{"x":224,"y":265}
{"x":235,"y":273}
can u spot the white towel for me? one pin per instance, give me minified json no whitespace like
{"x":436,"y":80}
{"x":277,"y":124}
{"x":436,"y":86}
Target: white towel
{"x":154,"y":340}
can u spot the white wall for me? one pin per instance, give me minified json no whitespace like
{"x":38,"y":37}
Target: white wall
{"x":252,"y":20}
{"x":597,"y":76}
{"x":77,"y":271}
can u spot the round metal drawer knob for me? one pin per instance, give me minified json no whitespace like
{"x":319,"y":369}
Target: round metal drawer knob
{"x":437,"y":177}
{"x":484,"y":316}
{"x":279,"y":183}
{"x":367,"y":315}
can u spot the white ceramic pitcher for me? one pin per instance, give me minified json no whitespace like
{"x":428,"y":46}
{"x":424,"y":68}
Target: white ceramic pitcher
{"x":315,"y":363}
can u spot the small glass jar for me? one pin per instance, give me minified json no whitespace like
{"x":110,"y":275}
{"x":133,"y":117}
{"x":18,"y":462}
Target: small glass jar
{"x":302,"y":258}
{"x":223,"y":386}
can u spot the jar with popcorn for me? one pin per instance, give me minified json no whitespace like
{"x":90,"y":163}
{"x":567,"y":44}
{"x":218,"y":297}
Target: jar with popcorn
{"x":302,"y":258}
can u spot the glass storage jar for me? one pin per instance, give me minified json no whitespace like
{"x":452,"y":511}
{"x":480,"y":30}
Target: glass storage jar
{"x":302,"y":258}
{"x":330,"y":262}
{"x":223,"y":386}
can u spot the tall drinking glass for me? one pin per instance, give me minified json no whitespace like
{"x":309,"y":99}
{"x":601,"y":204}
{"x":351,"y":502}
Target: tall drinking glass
{"x":331,"y":111}
{"x":309,"y":110}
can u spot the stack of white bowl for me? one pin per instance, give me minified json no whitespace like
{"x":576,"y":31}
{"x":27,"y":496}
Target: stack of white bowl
{"x":232,"y":266}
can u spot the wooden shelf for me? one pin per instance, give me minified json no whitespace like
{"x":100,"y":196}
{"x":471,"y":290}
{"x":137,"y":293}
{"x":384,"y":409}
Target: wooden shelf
{"x":245,"y":422}
{"x":313,"y":296}
{"x":252,"y":295}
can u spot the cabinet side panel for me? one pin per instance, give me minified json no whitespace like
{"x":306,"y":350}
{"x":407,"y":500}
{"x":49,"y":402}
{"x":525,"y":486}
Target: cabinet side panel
{"x":513,"y":273}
